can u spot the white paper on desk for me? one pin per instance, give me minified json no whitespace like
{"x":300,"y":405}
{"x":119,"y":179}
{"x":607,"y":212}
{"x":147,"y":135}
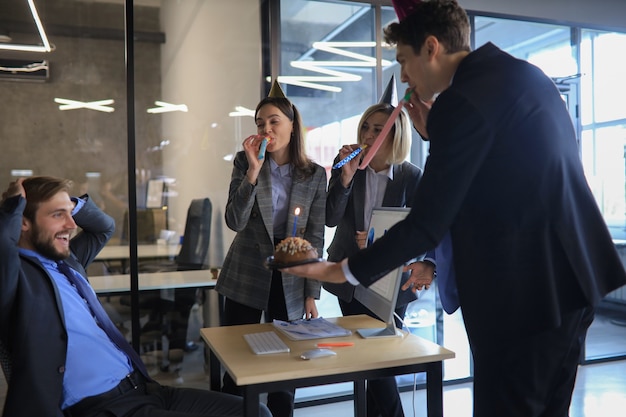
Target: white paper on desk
{"x":310,"y":329}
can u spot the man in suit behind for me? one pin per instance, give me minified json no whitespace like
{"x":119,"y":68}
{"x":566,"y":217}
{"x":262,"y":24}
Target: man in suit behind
{"x":66,"y":357}
{"x":532,"y":253}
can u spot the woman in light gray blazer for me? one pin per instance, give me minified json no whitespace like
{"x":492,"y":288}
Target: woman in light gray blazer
{"x":265,"y":189}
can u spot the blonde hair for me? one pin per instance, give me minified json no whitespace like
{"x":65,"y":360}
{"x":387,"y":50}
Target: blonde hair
{"x":401,"y":131}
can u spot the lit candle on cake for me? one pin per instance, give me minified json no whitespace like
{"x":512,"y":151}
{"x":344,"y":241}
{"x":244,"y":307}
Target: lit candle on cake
{"x":295,"y":220}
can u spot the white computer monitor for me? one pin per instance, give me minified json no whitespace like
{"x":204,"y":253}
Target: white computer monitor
{"x":381,"y":296}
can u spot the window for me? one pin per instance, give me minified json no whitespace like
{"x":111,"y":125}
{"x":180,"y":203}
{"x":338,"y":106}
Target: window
{"x":329,"y":53}
{"x":604,"y":121}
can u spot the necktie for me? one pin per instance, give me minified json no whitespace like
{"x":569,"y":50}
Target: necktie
{"x":101,"y":316}
{"x":446,"y":280}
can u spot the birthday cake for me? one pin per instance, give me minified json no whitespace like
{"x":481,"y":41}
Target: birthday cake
{"x":294,"y":249}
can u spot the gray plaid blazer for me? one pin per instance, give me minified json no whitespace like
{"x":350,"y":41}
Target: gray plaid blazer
{"x":243,"y":277}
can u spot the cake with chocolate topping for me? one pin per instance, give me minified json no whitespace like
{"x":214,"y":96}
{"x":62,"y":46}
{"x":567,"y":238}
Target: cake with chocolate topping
{"x":294,"y":249}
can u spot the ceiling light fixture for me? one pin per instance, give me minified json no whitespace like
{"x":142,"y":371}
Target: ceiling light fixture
{"x":21,"y":173}
{"x":167,"y":107}
{"x":100,"y":105}
{"x":335,"y":48}
{"x":241,"y":111}
{"x":42,"y":33}
{"x":324,"y":67}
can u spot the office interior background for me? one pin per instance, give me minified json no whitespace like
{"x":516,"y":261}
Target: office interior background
{"x":146,"y":122}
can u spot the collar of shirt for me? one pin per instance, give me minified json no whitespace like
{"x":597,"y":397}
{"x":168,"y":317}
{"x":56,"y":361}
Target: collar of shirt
{"x":281,"y":170}
{"x":47,"y":263}
{"x":387,"y":172}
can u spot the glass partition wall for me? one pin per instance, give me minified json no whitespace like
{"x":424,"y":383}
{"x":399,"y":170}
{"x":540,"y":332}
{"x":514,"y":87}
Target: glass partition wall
{"x":333,"y":65}
{"x":185,"y":70}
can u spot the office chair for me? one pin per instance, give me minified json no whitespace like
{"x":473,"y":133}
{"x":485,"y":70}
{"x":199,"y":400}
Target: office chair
{"x":170,"y":309}
{"x":150,"y":222}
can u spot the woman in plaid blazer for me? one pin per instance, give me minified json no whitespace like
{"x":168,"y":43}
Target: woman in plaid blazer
{"x":265,"y":190}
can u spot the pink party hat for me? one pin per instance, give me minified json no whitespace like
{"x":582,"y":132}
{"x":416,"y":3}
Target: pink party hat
{"x":404,"y":7}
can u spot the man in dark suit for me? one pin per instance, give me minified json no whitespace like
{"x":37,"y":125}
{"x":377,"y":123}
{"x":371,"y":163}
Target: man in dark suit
{"x":64,"y":357}
{"x":532,"y":253}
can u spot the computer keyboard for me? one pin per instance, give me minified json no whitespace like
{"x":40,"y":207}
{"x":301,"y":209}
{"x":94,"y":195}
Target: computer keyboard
{"x":265,"y":342}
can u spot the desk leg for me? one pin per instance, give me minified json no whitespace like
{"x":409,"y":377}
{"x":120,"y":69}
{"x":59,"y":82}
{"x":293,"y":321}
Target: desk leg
{"x":251,"y":401}
{"x":434,"y":389}
{"x":215,"y":371}
{"x":360,"y":398}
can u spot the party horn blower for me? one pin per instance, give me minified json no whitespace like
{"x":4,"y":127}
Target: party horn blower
{"x":264,"y":143}
{"x":383,"y":133}
{"x":349,"y":157}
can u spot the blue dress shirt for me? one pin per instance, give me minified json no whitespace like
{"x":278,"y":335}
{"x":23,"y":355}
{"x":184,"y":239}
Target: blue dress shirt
{"x":281,"y":188}
{"x":83,"y":375}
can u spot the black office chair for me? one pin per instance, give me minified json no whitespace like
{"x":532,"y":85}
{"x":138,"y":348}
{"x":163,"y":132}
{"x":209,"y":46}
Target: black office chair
{"x":170,"y":309}
{"x":150,"y":222}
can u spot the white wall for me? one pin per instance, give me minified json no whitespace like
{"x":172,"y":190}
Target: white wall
{"x":592,"y":13}
{"x":211,"y":62}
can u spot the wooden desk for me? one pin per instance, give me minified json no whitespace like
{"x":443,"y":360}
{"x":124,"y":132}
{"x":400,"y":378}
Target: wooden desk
{"x":368,"y":358}
{"x":105,"y":284}
{"x":122,"y":252}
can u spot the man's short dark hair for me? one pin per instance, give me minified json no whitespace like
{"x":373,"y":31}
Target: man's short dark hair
{"x":42,"y":189}
{"x":443,"y":19}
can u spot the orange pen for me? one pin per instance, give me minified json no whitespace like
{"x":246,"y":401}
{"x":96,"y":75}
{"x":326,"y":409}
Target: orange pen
{"x":335,"y":344}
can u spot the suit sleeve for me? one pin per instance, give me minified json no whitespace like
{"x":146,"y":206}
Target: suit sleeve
{"x":97,"y":228}
{"x":414,"y":177}
{"x":10,"y":230}
{"x":460,"y":140}
{"x":315,"y":228}
{"x":241,"y":195}
{"x":336,"y":198}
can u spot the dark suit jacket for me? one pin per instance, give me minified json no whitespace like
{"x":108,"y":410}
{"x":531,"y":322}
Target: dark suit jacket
{"x":243,"y":277}
{"x":505,"y":177}
{"x":31,"y":314}
{"x":344,"y":209}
